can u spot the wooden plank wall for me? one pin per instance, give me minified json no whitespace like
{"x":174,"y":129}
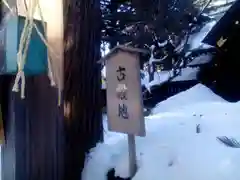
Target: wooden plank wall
{"x":34,"y":134}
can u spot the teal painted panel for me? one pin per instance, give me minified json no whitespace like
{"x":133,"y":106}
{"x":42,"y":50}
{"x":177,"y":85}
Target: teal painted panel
{"x":36,"y":62}
{"x":11,"y":41}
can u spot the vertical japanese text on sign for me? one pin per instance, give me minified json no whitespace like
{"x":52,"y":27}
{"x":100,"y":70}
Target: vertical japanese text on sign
{"x":122,"y":93}
{"x":121,"y":71}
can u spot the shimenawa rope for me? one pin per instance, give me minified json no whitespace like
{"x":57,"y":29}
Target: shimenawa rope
{"x":25,"y":40}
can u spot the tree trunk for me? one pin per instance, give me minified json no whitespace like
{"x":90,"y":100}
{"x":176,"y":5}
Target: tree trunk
{"x":82,"y":83}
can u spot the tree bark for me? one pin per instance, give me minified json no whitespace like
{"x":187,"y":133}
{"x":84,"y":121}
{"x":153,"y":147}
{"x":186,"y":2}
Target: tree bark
{"x":82,"y":83}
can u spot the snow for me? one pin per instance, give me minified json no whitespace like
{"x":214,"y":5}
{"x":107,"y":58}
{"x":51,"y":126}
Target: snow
{"x":172,"y":149}
{"x":220,"y":2}
{"x":145,"y":79}
{"x":198,"y":93}
{"x":203,"y":59}
{"x":196,"y":39}
{"x":161,"y":77}
{"x":103,"y":74}
{"x":220,"y":11}
{"x":187,"y":74}
{"x":158,"y":78}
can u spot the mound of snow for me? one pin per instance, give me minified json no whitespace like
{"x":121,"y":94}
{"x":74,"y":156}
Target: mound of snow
{"x":198,"y":93}
{"x":172,"y":149}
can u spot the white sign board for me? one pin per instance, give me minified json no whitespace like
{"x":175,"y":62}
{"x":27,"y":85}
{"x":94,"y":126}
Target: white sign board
{"x":124,"y":94}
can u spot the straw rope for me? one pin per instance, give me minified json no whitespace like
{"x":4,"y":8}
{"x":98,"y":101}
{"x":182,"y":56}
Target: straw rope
{"x":24,"y":43}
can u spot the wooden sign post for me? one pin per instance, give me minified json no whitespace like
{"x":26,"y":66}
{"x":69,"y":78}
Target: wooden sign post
{"x":124,"y":97}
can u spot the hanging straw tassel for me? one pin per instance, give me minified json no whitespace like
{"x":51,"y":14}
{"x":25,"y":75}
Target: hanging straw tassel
{"x":25,"y":39}
{"x":50,"y":72}
{"x":22,"y":53}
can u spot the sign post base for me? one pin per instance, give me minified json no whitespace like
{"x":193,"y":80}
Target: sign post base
{"x":132,"y":155}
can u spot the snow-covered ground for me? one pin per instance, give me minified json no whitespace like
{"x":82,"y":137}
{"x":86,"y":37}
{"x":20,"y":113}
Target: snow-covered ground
{"x":172,"y":149}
